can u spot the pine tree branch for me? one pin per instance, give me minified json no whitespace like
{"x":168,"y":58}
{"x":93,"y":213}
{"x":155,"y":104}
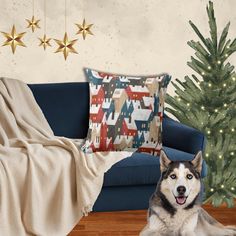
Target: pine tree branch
{"x":225,"y":48}
{"x":202,"y":67}
{"x":199,"y":48}
{"x":223,"y":38}
{"x":226,"y":70}
{"x":172,"y":102}
{"x":196,"y":91}
{"x":195,"y":78}
{"x":233,"y":44}
{"x":212,"y":25}
{"x":177,"y":88}
{"x":194,"y":67}
{"x":209,"y":42}
{"x":209,"y":48}
{"x":187,"y":95}
{"x":206,"y":61}
{"x":179,"y":115}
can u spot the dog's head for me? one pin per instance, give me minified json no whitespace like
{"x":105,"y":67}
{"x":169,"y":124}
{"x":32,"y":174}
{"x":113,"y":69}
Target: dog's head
{"x":180,"y":182}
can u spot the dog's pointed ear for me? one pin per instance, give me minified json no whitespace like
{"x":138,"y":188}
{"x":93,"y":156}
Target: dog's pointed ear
{"x":197,"y":162}
{"x":164,"y":161}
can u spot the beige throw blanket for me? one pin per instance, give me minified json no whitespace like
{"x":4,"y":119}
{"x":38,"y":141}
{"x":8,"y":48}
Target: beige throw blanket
{"x":46,"y":183}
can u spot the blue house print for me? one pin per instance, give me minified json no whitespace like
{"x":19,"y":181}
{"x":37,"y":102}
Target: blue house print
{"x":156,"y":105}
{"x":142,"y":125}
{"x":142,"y":122}
{"x":122,"y":82}
{"x":124,"y":110}
{"x":131,"y":108}
{"x":111,"y":109}
{"x":93,"y":79}
{"x":127,"y":109}
{"x":138,"y":140}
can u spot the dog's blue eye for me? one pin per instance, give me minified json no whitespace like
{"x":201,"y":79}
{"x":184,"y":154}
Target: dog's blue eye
{"x":173,"y":176}
{"x":189,"y":176}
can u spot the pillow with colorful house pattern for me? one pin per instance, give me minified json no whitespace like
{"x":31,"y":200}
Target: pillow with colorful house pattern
{"x":125,"y":112}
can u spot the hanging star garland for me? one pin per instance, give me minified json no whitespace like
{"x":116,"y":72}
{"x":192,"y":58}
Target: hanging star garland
{"x":84,"y":29}
{"x":13,"y":39}
{"x":33,"y":23}
{"x":66,"y":46}
{"x":45,"y":42}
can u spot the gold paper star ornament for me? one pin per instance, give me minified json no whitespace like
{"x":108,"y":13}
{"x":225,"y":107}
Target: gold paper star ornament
{"x":13,"y":39}
{"x":84,"y":29}
{"x":45,"y":42}
{"x":33,"y":23}
{"x":66,"y":46}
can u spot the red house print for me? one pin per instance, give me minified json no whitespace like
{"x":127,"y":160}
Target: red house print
{"x":105,"y":143}
{"x":129,"y":128}
{"x":150,"y":150}
{"x":110,"y":145}
{"x":96,"y":113}
{"x":98,"y":95}
{"x":103,"y":137}
{"x":137,"y":92}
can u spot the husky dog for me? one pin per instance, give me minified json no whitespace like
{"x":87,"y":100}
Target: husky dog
{"x":175,"y":207}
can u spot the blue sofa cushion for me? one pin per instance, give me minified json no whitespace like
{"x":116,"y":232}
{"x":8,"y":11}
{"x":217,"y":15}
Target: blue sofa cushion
{"x":143,"y":168}
{"x":65,"y":106}
{"x":182,"y":137}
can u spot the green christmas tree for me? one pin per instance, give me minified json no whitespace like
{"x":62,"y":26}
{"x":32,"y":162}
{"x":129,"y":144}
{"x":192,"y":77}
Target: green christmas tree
{"x":207,"y":102}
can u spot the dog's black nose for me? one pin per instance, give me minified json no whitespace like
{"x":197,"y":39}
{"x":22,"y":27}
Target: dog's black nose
{"x":181,"y":189}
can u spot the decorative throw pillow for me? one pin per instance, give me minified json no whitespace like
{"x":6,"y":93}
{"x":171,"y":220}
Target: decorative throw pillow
{"x":125,"y":112}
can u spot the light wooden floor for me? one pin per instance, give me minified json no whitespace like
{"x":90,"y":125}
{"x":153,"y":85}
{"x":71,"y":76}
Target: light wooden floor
{"x":131,"y":222}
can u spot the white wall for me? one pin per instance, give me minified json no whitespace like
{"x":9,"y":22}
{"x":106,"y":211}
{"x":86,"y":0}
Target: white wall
{"x":131,"y":37}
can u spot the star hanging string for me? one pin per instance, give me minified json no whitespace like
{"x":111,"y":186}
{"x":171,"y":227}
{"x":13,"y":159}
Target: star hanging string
{"x":66,"y":46}
{"x":33,"y":23}
{"x":45,"y":42}
{"x":13,"y":39}
{"x":84,"y":29}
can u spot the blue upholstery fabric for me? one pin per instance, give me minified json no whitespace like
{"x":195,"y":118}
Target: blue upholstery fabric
{"x":124,"y":198}
{"x":182,"y":137}
{"x":65,"y":106}
{"x":143,"y":169}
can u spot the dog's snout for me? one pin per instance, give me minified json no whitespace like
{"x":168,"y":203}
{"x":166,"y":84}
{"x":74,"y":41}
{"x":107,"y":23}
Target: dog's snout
{"x":181,"y":189}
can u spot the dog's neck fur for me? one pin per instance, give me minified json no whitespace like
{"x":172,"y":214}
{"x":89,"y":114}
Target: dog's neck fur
{"x":166,"y":204}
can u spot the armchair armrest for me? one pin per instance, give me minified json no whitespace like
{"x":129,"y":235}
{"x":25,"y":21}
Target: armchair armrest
{"x":182,"y":137}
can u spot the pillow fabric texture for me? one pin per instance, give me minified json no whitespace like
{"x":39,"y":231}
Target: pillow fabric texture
{"x":126,"y":112}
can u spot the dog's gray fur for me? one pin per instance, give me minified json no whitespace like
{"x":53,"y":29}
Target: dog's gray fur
{"x":173,"y":213}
